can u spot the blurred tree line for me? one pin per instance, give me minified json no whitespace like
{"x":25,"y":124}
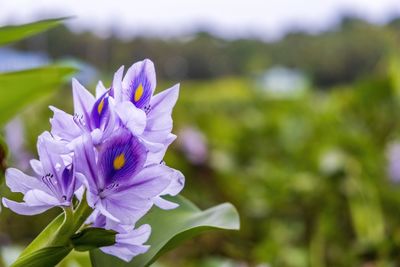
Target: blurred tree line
{"x":352,"y":49}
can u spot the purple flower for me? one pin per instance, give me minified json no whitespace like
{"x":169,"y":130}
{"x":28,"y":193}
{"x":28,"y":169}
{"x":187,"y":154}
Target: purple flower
{"x":112,"y":148}
{"x":134,"y":95}
{"x":91,"y":115}
{"x":53,"y":186}
{"x":128,"y":240}
{"x":119,"y":185}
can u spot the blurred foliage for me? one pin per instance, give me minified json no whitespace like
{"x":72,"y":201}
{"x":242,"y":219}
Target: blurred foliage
{"x":21,"y":88}
{"x":9,"y":34}
{"x":348,"y":51}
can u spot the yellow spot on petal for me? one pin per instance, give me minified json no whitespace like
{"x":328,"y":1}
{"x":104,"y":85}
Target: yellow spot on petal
{"x":138,"y":92}
{"x":100,"y":106}
{"x":119,"y":162}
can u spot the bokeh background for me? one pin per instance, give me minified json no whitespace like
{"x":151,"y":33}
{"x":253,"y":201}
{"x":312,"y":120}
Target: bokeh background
{"x":290,"y":110}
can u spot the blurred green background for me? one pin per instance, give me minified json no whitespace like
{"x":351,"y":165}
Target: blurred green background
{"x":301,"y":134}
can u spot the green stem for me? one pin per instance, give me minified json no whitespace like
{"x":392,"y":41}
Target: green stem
{"x":59,"y":245}
{"x":72,"y":223}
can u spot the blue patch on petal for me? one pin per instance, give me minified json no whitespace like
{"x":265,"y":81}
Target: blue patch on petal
{"x":120,"y":158}
{"x":140,"y":89}
{"x":99,"y":111}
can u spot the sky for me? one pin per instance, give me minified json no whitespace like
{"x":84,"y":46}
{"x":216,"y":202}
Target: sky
{"x":228,"y":18}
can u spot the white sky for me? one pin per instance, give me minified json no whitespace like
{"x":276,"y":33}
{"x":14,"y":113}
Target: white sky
{"x":230,"y":18}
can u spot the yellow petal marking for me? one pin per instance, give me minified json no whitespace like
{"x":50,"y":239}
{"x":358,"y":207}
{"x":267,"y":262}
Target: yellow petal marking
{"x":100,"y":106}
{"x":119,"y":162}
{"x":138,"y":92}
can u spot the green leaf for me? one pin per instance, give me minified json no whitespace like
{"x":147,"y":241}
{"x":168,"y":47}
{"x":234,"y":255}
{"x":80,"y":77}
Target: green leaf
{"x":44,"y":238}
{"x":20,"y":88}
{"x":171,"y":227}
{"x":9,"y":34}
{"x":49,"y":256}
{"x":91,"y":238}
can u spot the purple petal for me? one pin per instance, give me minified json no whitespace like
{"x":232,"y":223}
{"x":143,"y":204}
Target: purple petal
{"x":139,"y":83}
{"x":163,"y":102}
{"x":83,"y":100}
{"x":85,"y":163}
{"x":131,"y":117}
{"x":100,"y":111}
{"x":125,"y":207}
{"x":37,"y":167}
{"x":159,"y":120}
{"x":158,"y":155}
{"x":175,"y":186}
{"x":100,"y":89}
{"x":24,"y":208}
{"x":116,"y":88}
{"x":52,"y":163}
{"x":176,"y":182}
{"x":108,"y":127}
{"x":63,"y":125}
{"x":37,"y":197}
{"x":149,"y":182}
{"x":19,"y":182}
{"x":121,"y":157}
{"x":130,"y":244}
{"x":164,"y":204}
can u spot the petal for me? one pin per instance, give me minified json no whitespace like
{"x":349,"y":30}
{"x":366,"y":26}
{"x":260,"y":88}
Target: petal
{"x":177,"y":182}
{"x":137,"y":236}
{"x":108,"y":127}
{"x":37,"y":197}
{"x":157,"y":156}
{"x":121,"y":157}
{"x":164,"y":204}
{"x":116,"y":89}
{"x":149,"y":182}
{"x":103,"y":209}
{"x":131,"y":117}
{"x":164,"y":102}
{"x":37,"y":167}
{"x":100,"y":112}
{"x":63,"y":125}
{"x":18,"y":181}
{"x":83,"y":100}
{"x":100,"y":89}
{"x":52,"y":144}
{"x":51,"y":162}
{"x":85,"y":163}
{"x":159,"y":120}
{"x":130,"y":244}
{"x":125,"y":252}
{"x":91,"y":193}
{"x":139,"y":83}
{"x":125,"y":207}
{"x":24,"y":208}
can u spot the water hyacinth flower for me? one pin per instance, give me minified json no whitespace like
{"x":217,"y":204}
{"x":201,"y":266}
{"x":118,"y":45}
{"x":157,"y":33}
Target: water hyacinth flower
{"x":131,"y":99}
{"x":91,"y":116}
{"x":111,"y":151}
{"x":119,"y":185}
{"x":133,"y":94}
{"x":54,"y":184}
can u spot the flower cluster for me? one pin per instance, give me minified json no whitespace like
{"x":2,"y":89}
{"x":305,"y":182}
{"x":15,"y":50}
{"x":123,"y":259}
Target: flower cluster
{"x":110,"y":151}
